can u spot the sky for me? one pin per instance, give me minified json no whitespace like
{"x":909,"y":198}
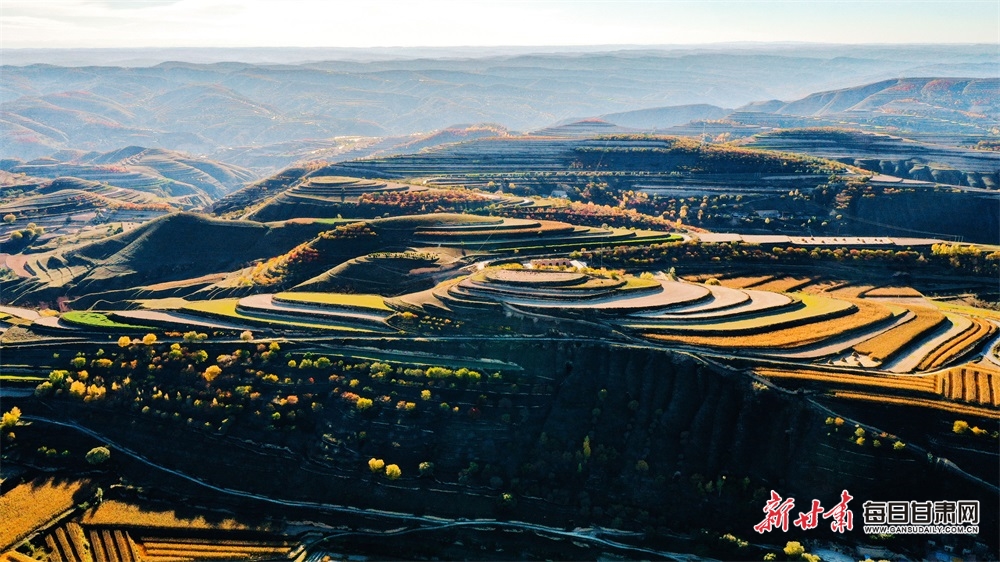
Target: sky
{"x":389,"y":23}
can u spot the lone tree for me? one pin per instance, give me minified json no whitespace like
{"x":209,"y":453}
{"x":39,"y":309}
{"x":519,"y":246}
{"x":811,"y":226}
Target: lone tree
{"x":10,"y":218}
{"x":10,"y":419}
{"x":211,"y":372}
{"x":98,"y":455}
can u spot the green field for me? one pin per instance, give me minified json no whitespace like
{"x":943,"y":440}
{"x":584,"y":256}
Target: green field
{"x":97,"y":320}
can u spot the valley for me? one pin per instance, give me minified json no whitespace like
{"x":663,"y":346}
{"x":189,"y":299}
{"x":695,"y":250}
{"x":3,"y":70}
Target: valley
{"x":238,"y":325}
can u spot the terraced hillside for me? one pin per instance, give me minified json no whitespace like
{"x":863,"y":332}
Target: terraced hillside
{"x":808,"y":328}
{"x":851,"y":347}
{"x":173,"y":248}
{"x":890,"y":155}
{"x":949,"y":111}
{"x":73,"y":209}
{"x":184,"y":180}
{"x":330,"y":196}
{"x":235,"y":258}
{"x":658,"y":158}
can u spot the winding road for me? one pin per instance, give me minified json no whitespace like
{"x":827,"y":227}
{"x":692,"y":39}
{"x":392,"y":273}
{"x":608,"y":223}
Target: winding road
{"x":426,"y":523}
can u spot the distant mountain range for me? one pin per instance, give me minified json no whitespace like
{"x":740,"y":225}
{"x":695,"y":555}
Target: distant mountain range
{"x":968,"y":106}
{"x":240,"y":108}
{"x":957,"y":95}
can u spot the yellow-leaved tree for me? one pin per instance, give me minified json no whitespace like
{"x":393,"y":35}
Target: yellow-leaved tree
{"x":393,"y":472}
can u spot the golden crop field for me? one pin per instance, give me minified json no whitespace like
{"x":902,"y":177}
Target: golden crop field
{"x":227,"y":309}
{"x":164,"y":549}
{"x":975,"y":384}
{"x":893,"y":292}
{"x":950,"y":349}
{"x":744,"y":282}
{"x":820,"y":286}
{"x":968,"y":310}
{"x":31,"y":505}
{"x":784,"y":284}
{"x":15,"y":556}
{"x":867,"y":313}
{"x":113,"y":513}
{"x":960,"y":409}
{"x":978,"y":384}
{"x":850,"y":291}
{"x":926,"y":384}
{"x":336,"y":299}
{"x":112,"y":545}
{"x":888,"y":343}
{"x":69,"y":543}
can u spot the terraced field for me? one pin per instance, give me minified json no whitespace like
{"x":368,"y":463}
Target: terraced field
{"x":644,"y":162}
{"x":261,"y":310}
{"x":117,"y":531}
{"x":965,"y":391}
{"x":954,"y":347}
{"x":525,"y":234}
{"x":978,"y":384}
{"x":336,"y":300}
{"x":69,"y":543}
{"x":164,"y":549}
{"x":888,"y":344}
{"x":328,"y":196}
{"x":30,"y":505}
{"x":799,"y":331}
{"x":800,"y":327}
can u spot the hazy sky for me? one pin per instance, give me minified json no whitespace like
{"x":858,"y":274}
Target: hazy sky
{"x":371,"y":23}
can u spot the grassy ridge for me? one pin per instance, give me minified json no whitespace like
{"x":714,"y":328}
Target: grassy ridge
{"x":97,"y":320}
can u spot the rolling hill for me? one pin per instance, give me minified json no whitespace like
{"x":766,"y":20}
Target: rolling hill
{"x":659,"y":118}
{"x":184,"y":180}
